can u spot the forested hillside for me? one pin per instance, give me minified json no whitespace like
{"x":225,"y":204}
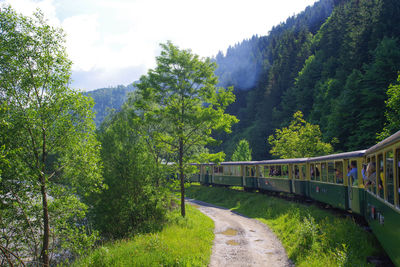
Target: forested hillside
{"x":334,"y":62}
{"x":108,"y":98}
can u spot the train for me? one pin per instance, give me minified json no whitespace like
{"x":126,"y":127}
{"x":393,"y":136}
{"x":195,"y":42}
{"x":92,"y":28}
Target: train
{"x":339,"y":180}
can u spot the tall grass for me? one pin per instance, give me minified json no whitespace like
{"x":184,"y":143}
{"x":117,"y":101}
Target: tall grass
{"x":311,"y":236}
{"x":182,"y":242}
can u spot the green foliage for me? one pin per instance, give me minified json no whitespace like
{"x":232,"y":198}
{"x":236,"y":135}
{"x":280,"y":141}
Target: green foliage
{"x":183,"y":242}
{"x":311,"y":236}
{"x":334,"y":65}
{"x":137,"y":196}
{"x":392,"y":112}
{"x":242,"y":152}
{"x":50,"y":153}
{"x":301,"y":139}
{"x":180,"y":97}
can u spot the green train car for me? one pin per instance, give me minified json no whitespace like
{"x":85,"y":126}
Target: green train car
{"x":330,"y":182}
{"x":284,"y":175}
{"x":366,"y":182}
{"x":382,"y":204}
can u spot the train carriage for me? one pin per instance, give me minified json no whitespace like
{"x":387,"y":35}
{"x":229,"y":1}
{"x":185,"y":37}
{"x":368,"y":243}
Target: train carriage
{"x":367,"y":182}
{"x":229,"y":174}
{"x":206,"y":172}
{"x":382,"y":199}
{"x":329,"y":181}
{"x":275,"y":175}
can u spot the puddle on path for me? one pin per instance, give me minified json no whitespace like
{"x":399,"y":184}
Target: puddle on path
{"x":232,"y":243}
{"x":258,"y":240}
{"x":230,"y":232}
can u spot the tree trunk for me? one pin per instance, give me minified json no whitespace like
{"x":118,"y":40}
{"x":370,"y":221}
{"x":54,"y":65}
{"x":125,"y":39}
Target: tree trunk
{"x":181,"y":176}
{"x":46,"y":228}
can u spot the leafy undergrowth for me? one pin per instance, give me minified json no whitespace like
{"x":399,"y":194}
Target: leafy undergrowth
{"x":183,"y":242}
{"x":311,"y":236}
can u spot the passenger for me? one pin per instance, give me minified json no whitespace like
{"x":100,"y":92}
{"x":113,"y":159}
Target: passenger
{"x":363,"y":172}
{"x":353,"y":172}
{"x":370,"y":174}
{"x":339,"y":176}
{"x":381,"y":179}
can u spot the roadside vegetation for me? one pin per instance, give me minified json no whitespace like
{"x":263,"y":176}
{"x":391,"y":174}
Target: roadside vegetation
{"x":311,"y":236}
{"x":184,"y":241}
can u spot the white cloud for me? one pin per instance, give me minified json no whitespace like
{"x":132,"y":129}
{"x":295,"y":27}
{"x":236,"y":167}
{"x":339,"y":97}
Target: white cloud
{"x":105,"y":36}
{"x":83,"y":38}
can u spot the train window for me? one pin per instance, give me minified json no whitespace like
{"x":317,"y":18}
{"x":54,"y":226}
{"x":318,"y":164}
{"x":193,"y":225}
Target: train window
{"x":339,"y":172}
{"x":271,"y":171}
{"x":227,"y":170}
{"x":207,"y":170}
{"x":285,"y":171}
{"x":232,"y":170}
{"x":248,"y":171}
{"x":219,"y":170}
{"x":266,"y":171}
{"x":312,"y":172}
{"x":303,"y":171}
{"x":278,"y":171}
{"x":389,"y":177}
{"x":317,"y":172}
{"x":369,"y":175}
{"x":331,"y":172}
{"x":398,"y":176}
{"x":296,"y":172}
{"x":381,"y":178}
{"x":324,"y":172}
{"x":238,"y":171}
{"x":352,"y":173}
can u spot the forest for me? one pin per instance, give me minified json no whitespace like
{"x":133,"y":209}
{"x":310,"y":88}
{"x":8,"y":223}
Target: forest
{"x":334,"y":62}
{"x":78,"y":169}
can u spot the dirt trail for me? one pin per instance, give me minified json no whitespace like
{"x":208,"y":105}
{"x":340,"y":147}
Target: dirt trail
{"x":241,"y":241}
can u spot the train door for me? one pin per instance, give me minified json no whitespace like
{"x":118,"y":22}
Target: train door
{"x":207,"y":175}
{"x":352,"y":181}
{"x":397,"y":173}
{"x":389,"y":176}
{"x":380,"y":177}
{"x":295,"y":176}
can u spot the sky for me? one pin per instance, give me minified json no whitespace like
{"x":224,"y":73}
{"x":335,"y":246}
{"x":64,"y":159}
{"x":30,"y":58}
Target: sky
{"x":114,"y":42}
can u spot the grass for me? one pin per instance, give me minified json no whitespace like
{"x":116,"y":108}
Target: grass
{"x":183,"y":242}
{"x":311,"y":236}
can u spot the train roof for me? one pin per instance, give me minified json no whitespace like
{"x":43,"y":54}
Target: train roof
{"x":345,"y":155}
{"x":239,"y":163}
{"x":282,"y":161}
{"x":386,"y":142}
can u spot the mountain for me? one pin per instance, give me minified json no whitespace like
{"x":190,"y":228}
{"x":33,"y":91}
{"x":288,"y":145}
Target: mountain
{"x":334,"y":61}
{"x":108,"y":98}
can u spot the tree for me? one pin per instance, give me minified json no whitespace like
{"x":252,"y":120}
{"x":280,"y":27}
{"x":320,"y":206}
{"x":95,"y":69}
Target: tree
{"x":392,"y":112}
{"x":181,"y":92}
{"x":301,"y":139}
{"x":54,"y":156}
{"x":242,"y":152}
{"x":136,"y":198}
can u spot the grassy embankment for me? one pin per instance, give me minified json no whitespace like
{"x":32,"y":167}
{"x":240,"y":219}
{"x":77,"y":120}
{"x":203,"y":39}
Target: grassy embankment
{"x":182,"y":242}
{"x":311,"y":236}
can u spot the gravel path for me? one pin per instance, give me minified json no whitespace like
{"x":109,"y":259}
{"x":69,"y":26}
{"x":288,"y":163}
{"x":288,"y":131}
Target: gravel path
{"x":241,"y":241}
